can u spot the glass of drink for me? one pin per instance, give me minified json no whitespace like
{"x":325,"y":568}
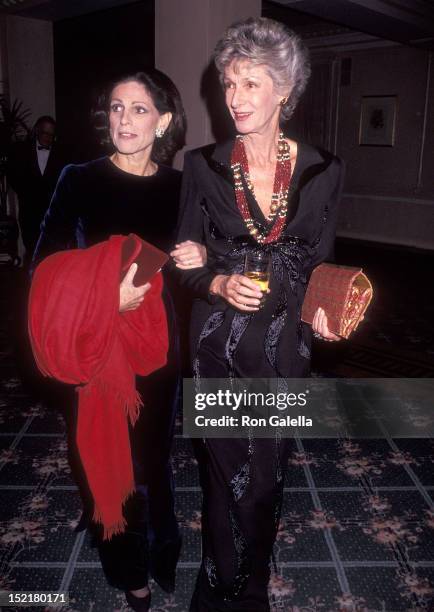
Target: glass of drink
{"x":257,"y":267}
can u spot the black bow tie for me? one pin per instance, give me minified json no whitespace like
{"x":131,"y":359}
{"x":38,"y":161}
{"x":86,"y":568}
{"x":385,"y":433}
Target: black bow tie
{"x":43,"y":148}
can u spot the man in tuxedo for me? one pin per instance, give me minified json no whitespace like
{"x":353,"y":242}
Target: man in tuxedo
{"x":33,"y":169}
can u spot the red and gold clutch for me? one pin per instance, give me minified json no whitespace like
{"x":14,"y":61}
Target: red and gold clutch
{"x":343,"y":292}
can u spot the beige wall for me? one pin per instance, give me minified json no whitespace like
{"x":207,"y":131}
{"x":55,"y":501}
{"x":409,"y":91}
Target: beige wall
{"x":3,"y":55}
{"x":30,"y":64}
{"x":27,"y":68}
{"x":185,"y":35}
{"x":401,"y":72}
{"x":389,"y":191}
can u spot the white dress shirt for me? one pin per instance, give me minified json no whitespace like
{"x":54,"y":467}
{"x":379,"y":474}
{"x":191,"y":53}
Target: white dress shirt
{"x":43,"y":155}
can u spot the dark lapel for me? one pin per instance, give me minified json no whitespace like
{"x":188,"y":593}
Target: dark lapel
{"x":218,"y":158}
{"x":223,"y":151}
{"x":50,"y":168}
{"x":310,"y":161}
{"x":34,"y":166}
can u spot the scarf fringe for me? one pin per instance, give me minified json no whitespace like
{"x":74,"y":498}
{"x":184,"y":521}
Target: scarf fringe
{"x":133,"y":410}
{"x":117,"y":527}
{"x":131,"y":400}
{"x":113,"y":530}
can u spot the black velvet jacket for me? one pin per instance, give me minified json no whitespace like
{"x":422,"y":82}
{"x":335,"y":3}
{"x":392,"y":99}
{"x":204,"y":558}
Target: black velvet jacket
{"x":95,"y":200}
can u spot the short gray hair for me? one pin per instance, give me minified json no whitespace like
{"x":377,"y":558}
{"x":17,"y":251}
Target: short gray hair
{"x":270,"y":43}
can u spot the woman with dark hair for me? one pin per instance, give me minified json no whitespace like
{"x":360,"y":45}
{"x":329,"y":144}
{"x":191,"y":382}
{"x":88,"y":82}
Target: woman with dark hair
{"x":261,"y":192}
{"x":133,"y":191}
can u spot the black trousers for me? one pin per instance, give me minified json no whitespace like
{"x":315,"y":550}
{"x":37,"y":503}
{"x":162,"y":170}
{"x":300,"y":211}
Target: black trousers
{"x":242,"y":483}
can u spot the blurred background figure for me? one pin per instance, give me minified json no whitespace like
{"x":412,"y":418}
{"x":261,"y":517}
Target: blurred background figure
{"x":33,"y":169}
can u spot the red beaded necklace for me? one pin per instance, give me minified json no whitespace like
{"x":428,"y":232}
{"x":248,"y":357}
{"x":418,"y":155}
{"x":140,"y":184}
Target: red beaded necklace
{"x":279,"y":198}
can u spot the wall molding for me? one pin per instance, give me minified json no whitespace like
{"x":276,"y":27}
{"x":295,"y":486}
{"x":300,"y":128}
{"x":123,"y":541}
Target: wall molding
{"x":344,"y":41}
{"x":402,"y":221}
{"x":369,"y":196}
{"x":425,"y":118}
{"x":371,"y":237}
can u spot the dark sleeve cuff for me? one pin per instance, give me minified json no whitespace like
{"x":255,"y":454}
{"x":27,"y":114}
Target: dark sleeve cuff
{"x":199,"y":282}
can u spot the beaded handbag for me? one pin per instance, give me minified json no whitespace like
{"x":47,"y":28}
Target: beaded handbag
{"x":343,"y":292}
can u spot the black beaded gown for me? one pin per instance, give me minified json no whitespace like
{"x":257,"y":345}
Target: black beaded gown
{"x":242,"y":479}
{"x":93,"y":201}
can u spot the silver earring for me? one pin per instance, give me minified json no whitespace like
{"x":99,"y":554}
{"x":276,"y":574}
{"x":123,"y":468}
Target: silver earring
{"x":159,"y":132}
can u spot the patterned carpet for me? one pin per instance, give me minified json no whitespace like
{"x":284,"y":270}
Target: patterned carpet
{"x":357,"y":530}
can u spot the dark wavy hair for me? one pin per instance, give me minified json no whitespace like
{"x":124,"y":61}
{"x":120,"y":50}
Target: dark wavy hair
{"x":165,"y":97}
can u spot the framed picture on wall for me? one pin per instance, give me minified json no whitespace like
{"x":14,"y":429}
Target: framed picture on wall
{"x":377,"y":121}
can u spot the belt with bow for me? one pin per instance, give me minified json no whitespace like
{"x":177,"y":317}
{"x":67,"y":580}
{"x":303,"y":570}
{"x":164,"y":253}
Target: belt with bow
{"x":288,"y":256}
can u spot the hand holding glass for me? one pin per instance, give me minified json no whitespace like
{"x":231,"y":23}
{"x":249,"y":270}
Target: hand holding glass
{"x":257,"y":267}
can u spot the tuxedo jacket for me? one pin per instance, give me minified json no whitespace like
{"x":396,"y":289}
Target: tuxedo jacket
{"x":34,"y":190}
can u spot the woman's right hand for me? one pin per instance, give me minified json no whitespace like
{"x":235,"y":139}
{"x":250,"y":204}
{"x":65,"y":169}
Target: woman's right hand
{"x":130,"y":297}
{"x":241,"y":292}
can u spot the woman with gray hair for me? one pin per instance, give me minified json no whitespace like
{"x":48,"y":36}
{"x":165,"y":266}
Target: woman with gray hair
{"x":261,"y":192}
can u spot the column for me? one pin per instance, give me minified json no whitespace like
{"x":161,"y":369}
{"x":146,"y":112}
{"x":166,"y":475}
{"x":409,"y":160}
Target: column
{"x":185,"y":36}
{"x":31,"y":64}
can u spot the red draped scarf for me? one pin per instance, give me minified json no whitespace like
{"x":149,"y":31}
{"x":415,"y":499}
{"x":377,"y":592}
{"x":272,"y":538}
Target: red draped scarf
{"x":79,"y":337}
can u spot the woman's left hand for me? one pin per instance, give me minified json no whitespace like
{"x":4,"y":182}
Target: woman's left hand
{"x":130,"y":297}
{"x":320,"y":326}
{"x":188,"y":255}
